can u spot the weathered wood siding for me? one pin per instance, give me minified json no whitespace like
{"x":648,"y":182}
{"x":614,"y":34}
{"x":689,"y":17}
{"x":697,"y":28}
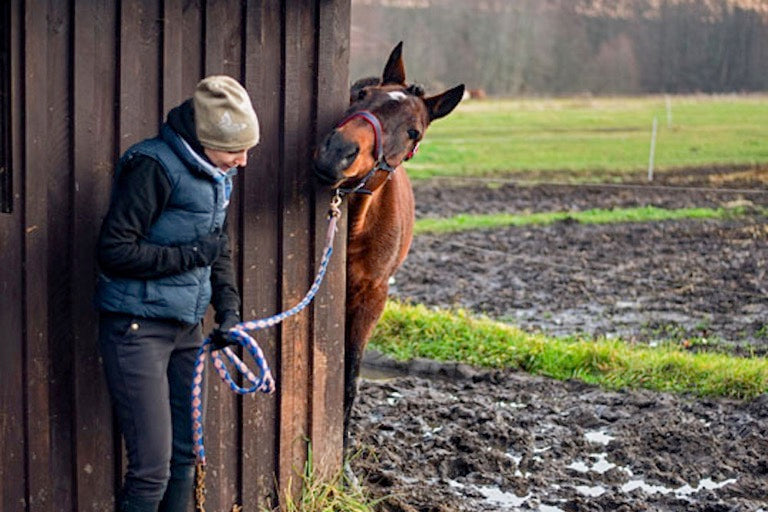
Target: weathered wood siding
{"x":88,"y":78}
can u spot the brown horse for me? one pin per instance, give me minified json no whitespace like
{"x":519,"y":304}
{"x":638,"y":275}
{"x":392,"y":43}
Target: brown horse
{"x":362,"y":157}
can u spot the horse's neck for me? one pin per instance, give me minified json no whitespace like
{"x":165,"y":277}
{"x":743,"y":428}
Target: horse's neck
{"x":374,"y":214}
{"x":381,"y":228}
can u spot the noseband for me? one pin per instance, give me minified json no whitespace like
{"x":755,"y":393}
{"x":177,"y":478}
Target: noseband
{"x":378,"y":152}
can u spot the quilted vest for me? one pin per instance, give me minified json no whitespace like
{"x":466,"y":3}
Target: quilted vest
{"x":197,"y":206}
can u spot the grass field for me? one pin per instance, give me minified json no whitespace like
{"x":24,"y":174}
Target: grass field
{"x":595,"y":216}
{"x":594,"y":136}
{"x":406,"y":331}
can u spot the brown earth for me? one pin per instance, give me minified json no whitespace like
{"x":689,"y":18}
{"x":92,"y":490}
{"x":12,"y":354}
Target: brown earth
{"x":510,"y":441}
{"x":504,"y":440}
{"x":641,"y":281}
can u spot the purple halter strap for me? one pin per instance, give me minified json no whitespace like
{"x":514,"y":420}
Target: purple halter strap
{"x":381,"y":162}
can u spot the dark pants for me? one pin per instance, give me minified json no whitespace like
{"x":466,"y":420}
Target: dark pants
{"x":149,"y":365}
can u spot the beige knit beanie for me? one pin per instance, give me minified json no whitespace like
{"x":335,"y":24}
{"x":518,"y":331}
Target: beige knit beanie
{"x":224,"y":116}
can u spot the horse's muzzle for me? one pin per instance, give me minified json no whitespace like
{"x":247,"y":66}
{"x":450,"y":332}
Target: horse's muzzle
{"x":334,"y":155}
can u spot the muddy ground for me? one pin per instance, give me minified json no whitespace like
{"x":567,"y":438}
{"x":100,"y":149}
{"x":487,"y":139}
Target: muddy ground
{"x":509,"y":441}
{"x":640,"y":281}
{"x":481,"y":440}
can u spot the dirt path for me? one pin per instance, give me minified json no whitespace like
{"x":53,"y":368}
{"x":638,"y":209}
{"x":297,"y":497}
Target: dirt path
{"x":496,"y":441}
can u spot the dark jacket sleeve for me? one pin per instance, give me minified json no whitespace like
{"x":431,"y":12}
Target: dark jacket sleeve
{"x":226,"y":298}
{"x":143,"y":189}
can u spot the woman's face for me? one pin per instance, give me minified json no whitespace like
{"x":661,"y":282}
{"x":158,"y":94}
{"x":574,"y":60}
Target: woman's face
{"x":225,"y":160}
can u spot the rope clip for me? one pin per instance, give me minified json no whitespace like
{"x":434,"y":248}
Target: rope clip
{"x":334,"y":211}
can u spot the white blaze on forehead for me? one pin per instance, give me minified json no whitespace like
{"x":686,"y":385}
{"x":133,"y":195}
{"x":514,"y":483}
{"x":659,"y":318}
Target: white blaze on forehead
{"x":397,"y":95}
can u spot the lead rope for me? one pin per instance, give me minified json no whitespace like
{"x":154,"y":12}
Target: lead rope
{"x":239,"y":333}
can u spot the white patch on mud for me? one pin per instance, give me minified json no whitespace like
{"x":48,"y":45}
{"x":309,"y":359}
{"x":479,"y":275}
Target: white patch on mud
{"x":598,"y":436}
{"x":493,"y":495}
{"x":511,"y":405}
{"x":592,"y":491}
{"x":549,"y":508}
{"x":601,"y":465}
{"x":681,"y":492}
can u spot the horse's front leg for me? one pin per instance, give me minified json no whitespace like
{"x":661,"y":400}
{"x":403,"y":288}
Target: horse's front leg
{"x":363,"y":311}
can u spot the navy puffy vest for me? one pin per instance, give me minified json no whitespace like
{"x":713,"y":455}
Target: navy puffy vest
{"x":196,"y":207}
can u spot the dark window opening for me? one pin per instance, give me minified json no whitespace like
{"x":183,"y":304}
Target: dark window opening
{"x":6,"y":183}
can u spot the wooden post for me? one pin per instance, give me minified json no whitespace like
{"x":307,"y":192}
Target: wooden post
{"x":295,"y":356}
{"x":95,"y":444}
{"x":12,"y":474}
{"x":37,"y":71}
{"x":328,"y":321}
{"x":260,"y":243}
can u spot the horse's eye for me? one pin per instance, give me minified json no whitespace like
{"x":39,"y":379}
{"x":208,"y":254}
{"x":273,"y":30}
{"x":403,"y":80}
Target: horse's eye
{"x":413,"y":134}
{"x":361,"y":94}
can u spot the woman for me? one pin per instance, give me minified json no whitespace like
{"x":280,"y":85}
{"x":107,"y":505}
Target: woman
{"x":164,"y":256}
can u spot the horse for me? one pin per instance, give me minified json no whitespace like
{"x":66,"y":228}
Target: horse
{"x":362,"y":159}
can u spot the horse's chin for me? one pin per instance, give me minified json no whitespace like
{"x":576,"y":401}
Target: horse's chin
{"x":328,"y":179}
{"x":325,"y":175}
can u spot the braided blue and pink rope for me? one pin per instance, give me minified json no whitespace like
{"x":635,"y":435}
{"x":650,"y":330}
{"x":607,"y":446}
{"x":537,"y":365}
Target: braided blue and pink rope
{"x":265,"y":382}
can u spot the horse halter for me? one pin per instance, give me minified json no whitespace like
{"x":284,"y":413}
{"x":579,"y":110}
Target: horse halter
{"x":381,"y":163}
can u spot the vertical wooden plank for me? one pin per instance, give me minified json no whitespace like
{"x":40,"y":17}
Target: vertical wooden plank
{"x":12,"y":478}
{"x":6,"y":178}
{"x":49,"y":355}
{"x":298,"y":105}
{"x":223,"y":37}
{"x":36,"y":230}
{"x":172,"y":58}
{"x":140,"y":50}
{"x":173,"y":62}
{"x":140,"y":103}
{"x":333,"y":27}
{"x":259,"y":242}
{"x":94,"y":152}
{"x":192,"y":45}
{"x":222,"y":47}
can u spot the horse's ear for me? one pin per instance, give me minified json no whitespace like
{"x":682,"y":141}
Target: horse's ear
{"x":394,"y":71}
{"x":441,"y":105}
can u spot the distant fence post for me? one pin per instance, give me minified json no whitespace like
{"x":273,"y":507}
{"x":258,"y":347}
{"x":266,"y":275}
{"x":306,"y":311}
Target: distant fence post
{"x":653,"y":149}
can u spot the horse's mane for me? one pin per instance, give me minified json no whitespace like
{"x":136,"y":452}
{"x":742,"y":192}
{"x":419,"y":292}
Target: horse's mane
{"x":361,"y":84}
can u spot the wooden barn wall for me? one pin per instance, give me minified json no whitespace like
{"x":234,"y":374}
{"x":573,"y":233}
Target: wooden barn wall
{"x":88,"y":78}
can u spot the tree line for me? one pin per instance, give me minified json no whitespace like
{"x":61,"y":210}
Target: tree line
{"x":530,"y":47}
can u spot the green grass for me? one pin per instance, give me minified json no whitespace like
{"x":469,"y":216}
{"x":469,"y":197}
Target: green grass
{"x":594,"y":136}
{"x":407,"y":331}
{"x":326,"y":494}
{"x":463,"y":222}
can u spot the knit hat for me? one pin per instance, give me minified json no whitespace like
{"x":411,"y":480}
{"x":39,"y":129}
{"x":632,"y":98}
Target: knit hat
{"x":224,"y":116}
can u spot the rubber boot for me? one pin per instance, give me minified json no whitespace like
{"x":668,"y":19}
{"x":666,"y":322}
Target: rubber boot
{"x":179,"y":491}
{"x":134,"y":504}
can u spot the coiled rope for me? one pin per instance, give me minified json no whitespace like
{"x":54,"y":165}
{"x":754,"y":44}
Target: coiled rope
{"x":265,"y":382}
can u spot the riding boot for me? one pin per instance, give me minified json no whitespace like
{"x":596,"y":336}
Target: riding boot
{"x":179,"y":491}
{"x":134,"y":504}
